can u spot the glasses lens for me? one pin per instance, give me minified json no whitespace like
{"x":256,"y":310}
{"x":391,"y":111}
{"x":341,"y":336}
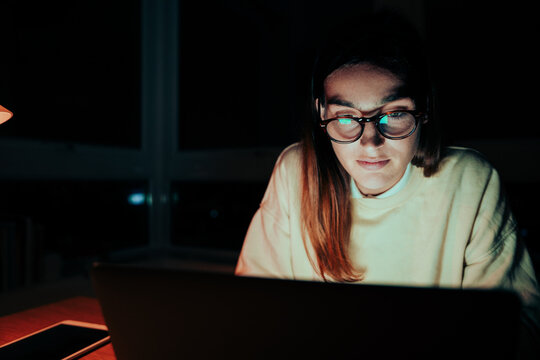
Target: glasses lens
{"x":397,"y":124}
{"x":344,"y":129}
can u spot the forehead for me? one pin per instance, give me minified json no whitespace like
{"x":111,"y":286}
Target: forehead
{"x":364,"y":85}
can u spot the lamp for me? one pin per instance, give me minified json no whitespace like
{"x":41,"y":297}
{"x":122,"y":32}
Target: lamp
{"x":5,"y":114}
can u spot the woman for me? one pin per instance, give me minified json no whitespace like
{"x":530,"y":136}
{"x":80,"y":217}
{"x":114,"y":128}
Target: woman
{"x":367,"y":196}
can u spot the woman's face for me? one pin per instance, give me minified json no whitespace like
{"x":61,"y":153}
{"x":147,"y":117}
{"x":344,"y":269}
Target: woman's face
{"x":373,"y":161}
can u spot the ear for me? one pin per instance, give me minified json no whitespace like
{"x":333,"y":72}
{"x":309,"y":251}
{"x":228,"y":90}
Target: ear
{"x":428,"y":104}
{"x":319,"y":108}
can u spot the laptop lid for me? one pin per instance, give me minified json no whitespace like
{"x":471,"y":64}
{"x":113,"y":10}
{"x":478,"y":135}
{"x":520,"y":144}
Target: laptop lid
{"x":156,"y":313}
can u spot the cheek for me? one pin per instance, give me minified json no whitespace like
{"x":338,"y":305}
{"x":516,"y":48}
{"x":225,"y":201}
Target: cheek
{"x":343,"y":153}
{"x":405,"y":149}
{"x":413,"y":144}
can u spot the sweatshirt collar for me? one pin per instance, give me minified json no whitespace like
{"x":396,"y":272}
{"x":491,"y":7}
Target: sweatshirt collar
{"x":356,"y":194}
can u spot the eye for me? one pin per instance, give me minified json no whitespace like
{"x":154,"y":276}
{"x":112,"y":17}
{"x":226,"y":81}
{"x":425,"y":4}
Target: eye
{"x":345,"y":120}
{"x":396,"y":124}
{"x":397,"y":114}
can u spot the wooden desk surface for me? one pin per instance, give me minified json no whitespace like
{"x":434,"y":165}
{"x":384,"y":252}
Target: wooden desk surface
{"x":78,"y":308}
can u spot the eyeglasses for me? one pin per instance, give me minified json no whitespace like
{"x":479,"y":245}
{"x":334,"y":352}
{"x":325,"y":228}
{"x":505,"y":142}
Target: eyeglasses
{"x":394,"y":125}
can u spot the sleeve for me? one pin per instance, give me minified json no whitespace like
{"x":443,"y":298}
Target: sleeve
{"x":266,"y":249}
{"x":496,"y":257}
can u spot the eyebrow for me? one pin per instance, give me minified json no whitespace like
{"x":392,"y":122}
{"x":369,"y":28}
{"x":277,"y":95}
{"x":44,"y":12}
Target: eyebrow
{"x":392,"y":97}
{"x":336,"y":100}
{"x":397,"y":94}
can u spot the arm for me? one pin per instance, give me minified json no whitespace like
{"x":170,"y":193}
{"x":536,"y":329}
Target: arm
{"x":496,"y":257}
{"x":266,"y":250}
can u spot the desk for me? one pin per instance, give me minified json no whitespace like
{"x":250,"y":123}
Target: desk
{"x":78,"y":308}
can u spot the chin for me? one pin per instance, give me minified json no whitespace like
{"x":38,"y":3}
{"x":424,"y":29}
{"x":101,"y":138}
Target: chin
{"x":372,"y":187}
{"x":372,"y":192}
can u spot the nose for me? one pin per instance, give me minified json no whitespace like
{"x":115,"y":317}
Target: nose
{"x":371,"y":138}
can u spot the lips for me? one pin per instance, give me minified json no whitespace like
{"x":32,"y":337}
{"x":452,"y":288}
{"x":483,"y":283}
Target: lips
{"x":370,"y":164}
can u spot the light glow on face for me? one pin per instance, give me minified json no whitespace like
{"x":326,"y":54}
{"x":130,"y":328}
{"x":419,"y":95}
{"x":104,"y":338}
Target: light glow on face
{"x":364,"y":90}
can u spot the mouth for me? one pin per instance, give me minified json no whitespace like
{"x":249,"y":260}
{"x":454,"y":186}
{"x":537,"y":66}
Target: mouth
{"x":372,"y":164}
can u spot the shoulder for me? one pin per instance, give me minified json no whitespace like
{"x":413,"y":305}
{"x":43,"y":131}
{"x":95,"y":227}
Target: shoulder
{"x":284,"y":184}
{"x":459,"y":161}
{"x":289,"y":163}
{"x":467,"y":174}
{"x":287,"y":170}
{"x":290,"y":156}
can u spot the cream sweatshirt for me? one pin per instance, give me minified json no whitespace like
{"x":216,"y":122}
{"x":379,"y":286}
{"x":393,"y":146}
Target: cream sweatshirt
{"x":453,"y":229}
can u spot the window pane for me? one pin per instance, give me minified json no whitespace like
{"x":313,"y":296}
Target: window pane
{"x":483,"y":75}
{"x":214,"y":214}
{"x":53,"y":229}
{"x":70,"y":71}
{"x":236,"y":78}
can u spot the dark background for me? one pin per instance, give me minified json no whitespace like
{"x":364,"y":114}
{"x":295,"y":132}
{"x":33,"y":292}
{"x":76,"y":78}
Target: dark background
{"x":72,"y":74}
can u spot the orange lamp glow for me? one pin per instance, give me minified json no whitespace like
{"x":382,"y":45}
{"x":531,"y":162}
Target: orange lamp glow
{"x":5,"y":114}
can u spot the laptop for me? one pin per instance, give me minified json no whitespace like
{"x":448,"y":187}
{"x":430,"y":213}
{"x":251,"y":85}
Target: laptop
{"x":157,"y":313}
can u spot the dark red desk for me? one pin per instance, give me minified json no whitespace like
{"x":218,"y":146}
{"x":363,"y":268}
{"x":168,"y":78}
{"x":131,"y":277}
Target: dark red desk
{"x":78,"y":308}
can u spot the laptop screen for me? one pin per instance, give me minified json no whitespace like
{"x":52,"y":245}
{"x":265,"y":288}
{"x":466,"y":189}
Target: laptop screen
{"x":167,"y":313}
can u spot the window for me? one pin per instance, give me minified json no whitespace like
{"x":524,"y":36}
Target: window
{"x":70,"y":71}
{"x":53,"y":229}
{"x":243,"y":78}
{"x":214,"y":214}
{"x":482,"y":75}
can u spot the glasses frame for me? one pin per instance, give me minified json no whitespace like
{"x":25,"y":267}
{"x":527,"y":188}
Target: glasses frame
{"x":375,"y":119}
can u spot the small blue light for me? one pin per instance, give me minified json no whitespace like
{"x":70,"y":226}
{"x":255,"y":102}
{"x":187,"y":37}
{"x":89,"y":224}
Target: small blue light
{"x":136,"y":199}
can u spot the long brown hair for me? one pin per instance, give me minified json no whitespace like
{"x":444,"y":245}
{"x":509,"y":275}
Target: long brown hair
{"x":326,"y":214}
